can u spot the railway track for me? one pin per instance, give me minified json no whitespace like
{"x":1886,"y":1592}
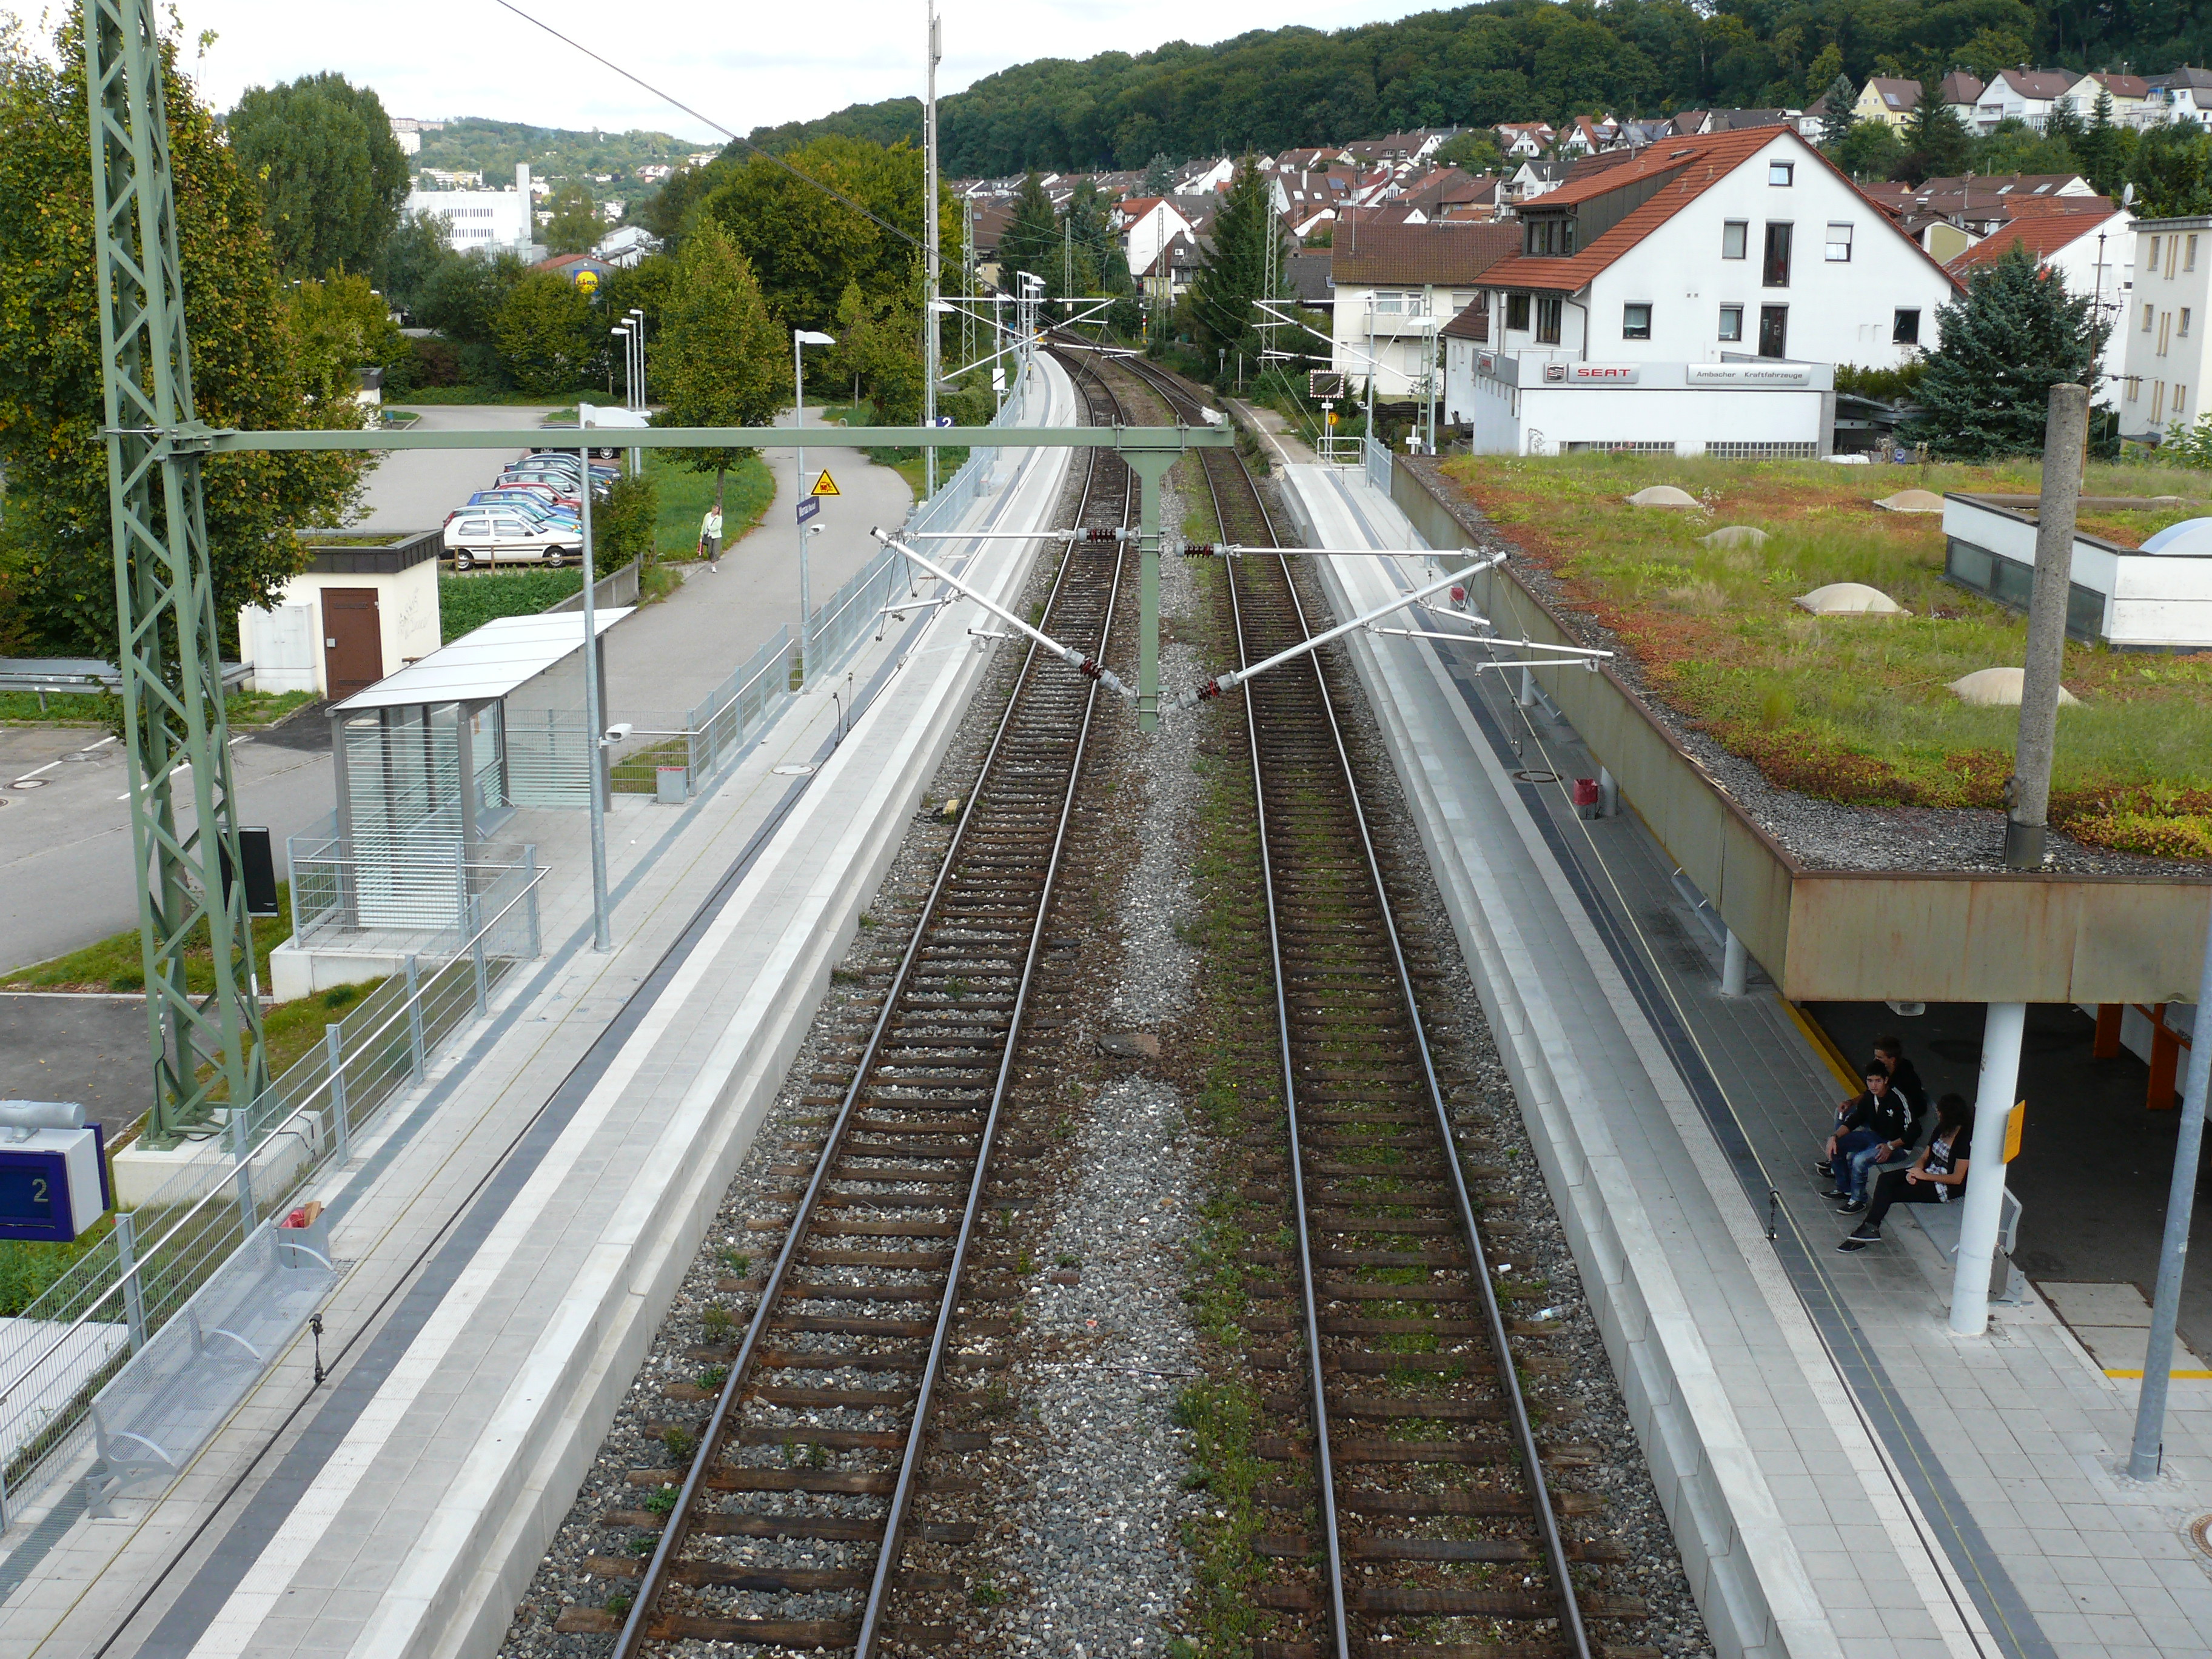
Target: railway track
{"x":821,"y":1431}
{"x":1426,"y":1522}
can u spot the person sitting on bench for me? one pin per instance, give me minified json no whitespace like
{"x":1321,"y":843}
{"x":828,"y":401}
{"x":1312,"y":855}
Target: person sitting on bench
{"x":1937,"y":1175}
{"x":1903,"y":1076}
{"x":1875,"y":1127}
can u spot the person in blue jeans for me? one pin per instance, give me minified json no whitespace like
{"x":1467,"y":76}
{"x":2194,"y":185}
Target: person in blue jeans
{"x":1875,"y":1127}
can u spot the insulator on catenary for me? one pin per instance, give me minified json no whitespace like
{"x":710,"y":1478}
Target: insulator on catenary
{"x":1199,"y":549}
{"x":1101,"y":535}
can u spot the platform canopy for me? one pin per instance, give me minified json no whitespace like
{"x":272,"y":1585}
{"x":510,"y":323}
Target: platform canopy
{"x":484,"y":664}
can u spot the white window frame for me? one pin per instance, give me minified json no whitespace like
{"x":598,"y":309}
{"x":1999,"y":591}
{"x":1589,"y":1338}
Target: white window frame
{"x":2182,"y":331}
{"x":1781,"y":175}
{"x":1736,"y":337}
{"x":1835,"y":258}
{"x":1743,"y":227}
{"x":1627,"y":311}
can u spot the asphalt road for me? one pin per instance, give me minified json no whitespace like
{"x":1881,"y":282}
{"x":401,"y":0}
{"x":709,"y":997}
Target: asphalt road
{"x":415,"y":489}
{"x":92,"y":1050}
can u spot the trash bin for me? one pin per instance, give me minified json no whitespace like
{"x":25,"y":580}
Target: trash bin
{"x":673,"y":785}
{"x":1586,"y":798}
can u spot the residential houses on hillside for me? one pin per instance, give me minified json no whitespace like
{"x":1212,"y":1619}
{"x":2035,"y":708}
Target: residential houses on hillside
{"x":1395,"y":286}
{"x":2084,"y":240}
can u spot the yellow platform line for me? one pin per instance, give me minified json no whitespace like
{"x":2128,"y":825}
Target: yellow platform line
{"x":2194,"y":1376}
{"x":1824,"y":1045}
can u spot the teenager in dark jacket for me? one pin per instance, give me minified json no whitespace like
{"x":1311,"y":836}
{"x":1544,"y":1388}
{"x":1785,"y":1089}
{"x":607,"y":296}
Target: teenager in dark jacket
{"x":1875,"y":1127}
{"x":1938,"y":1176}
{"x":1903,"y":1076}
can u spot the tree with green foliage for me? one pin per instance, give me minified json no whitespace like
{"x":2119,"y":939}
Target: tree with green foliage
{"x":2014,"y":334}
{"x":549,"y":334}
{"x":55,"y":540}
{"x":1475,"y":151}
{"x":1159,"y":176}
{"x":461,"y":300}
{"x":722,"y":359}
{"x":1086,"y":226}
{"x":2172,"y":172}
{"x":2105,"y":148}
{"x":332,"y":176}
{"x":1030,"y":240}
{"x":643,"y":287}
{"x":623,"y":523}
{"x":803,"y":245}
{"x":576,"y":224}
{"x":411,"y":256}
{"x":341,"y":325}
{"x":1870,"y":150}
{"x":1235,"y":274}
{"x":1936,"y":142}
{"x":878,"y":351}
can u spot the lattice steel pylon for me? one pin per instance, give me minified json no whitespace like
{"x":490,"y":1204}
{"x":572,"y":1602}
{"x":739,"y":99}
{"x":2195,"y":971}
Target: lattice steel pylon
{"x":171,"y":674}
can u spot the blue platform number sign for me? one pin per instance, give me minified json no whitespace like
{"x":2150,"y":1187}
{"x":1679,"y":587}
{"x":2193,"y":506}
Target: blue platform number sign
{"x":54,"y":1180}
{"x":808,"y":506}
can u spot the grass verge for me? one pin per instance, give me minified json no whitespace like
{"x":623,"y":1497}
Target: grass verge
{"x":115,"y":964}
{"x":748,"y":489}
{"x":240,"y":708}
{"x":1857,"y":709}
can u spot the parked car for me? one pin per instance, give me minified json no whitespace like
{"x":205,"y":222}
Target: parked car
{"x":529,"y":506}
{"x":565,"y":483}
{"x":496,"y":535}
{"x":542,"y":495}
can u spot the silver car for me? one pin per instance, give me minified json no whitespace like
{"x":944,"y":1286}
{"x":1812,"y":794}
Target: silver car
{"x":494,"y":535}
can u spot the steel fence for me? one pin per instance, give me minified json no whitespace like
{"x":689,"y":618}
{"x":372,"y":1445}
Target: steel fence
{"x":248,"y":1166}
{"x":429,"y":884}
{"x":1376,"y":460}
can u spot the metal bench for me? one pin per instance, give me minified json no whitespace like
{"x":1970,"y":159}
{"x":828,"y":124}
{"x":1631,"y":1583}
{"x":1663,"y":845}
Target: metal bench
{"x":158,"y":1411}
{"x":1941,"y":1222}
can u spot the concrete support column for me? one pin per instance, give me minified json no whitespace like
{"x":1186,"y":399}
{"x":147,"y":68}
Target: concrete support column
{"x":2002,"y":1031}
{"x":1151,"y":467}
{"x":1528,"y":697}
{"x":1735,"y":966}
{"x":1608,"y":793}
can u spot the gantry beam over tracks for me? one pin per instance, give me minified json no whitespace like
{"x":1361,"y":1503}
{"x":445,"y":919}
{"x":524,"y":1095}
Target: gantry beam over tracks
{"x":1128,"y":440}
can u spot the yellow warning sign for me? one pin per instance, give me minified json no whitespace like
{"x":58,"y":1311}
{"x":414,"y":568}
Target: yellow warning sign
{"x":825,"y":485}
{"x":2015,"y":1120}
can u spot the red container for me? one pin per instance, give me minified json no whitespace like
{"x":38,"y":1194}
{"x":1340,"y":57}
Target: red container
{"x":1586,"y":798}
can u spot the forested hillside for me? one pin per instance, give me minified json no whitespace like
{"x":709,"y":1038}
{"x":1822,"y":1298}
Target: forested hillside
{"x":1509,"y":60}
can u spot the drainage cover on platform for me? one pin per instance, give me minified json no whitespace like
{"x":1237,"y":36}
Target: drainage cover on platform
{"x":1537,"y":777}
{"x":28,"y":783}
{"x":792,"y":769}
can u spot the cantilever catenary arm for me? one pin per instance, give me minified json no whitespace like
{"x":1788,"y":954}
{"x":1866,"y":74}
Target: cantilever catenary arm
{"x":1067,"y":654}
{"x":1236,"y":677}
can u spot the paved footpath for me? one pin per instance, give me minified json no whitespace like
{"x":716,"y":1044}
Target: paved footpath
{"x":1847,"y":1478}
{"x":515,"y":1228}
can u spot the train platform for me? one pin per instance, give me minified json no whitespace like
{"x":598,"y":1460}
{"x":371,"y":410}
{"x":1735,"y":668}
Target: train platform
{"x":1845,"y":1476}
{"x":513,"y":1232}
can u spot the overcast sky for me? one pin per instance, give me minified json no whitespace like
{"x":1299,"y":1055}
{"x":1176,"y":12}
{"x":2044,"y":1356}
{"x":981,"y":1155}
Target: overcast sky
{"x":741,"y":65}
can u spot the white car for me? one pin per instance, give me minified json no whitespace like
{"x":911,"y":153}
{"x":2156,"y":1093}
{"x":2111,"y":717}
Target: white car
{"x":489,"y":535}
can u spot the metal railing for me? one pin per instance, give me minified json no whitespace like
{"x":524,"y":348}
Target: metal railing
{"x":1376,"y":460}
{"x":429,"y":884}
{"x":82,"y":1331}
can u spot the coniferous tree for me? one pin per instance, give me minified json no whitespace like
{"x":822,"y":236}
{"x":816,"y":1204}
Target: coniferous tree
{"x":1839,"y":112}
{"x":2014,"y":334}
{"x":1936,"y":144}
{"x":1234,"y":273}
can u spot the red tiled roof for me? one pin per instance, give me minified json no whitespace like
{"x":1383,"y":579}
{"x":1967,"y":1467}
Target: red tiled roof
{"x":1897,"y":92}
{"x":2044,"y":230}
{"x":2121,"y":86}
{"x":1447,"y":252}
{"x":1689,"y":167}
{"x":2037,"y":83}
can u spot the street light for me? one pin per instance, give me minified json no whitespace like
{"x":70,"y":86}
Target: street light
{"x":799,"y":338}
{"x":629,"y":385}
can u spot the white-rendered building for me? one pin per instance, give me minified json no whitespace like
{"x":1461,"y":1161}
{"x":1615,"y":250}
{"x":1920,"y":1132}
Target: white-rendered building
{"x":2167,"y":355}
{"x":355,"y":614}
{"x":1731,"y":249}
{"x":1517,"y":404}
{"x":481,"y":221}
{"x":2029,"y":95}
{"x":1396,"y":286}
{"x":2092,"y":251}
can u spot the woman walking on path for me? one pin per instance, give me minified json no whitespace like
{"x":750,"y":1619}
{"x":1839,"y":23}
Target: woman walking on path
{"x":710,"y":537}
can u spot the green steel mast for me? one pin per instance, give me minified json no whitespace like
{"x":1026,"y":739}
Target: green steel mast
{"x":172,"y":675}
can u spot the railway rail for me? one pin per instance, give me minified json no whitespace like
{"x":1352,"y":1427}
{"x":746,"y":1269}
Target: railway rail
{"x":1425,"y":1475}
{"x":821,"y":1429}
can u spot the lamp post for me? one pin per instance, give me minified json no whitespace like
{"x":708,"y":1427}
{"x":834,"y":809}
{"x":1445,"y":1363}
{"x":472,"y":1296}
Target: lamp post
{"x":595,"y":747}
{"x":800,"y":338}
{"x":630,"y":381}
